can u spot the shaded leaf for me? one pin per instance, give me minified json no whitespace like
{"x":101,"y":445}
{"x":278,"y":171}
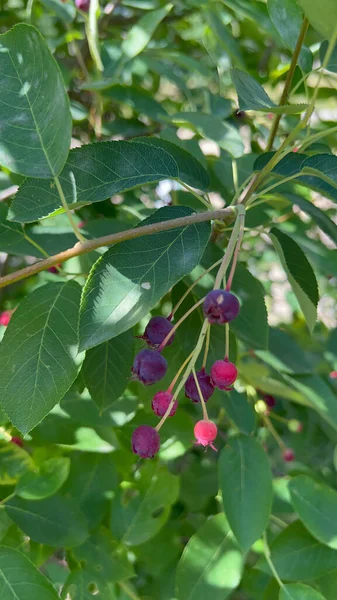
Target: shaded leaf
{"x":47,"y":481}
{"x":318,"y":216}
{"x":246,"y":484}
{"x":322,"y":16}
{"x":240,"y":411}
{"x":287,"y":18}
{"x":299,"y":591}
{"x":38,"y":354}
{"x":20,"y":579}
{"x":140,"y":34}
{"x":34,"y":105}
{"x":251,"y":294}
{"x":137,"y":98}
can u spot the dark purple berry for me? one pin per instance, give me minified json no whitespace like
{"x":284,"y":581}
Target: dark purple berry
{"x":269,"y":400}
{"x":145,"y":441}
{"x":149,"y":366}
{"x":160,"y":403}
{"x":205,"y":384}
{"x":83,"y":5}
{"x":240,"y":114}
{"x":221,"y":306}
{"x":156,"y":331}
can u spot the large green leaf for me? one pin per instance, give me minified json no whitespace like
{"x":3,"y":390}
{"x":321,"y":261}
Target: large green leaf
{"x":321,"y":15}
{"x":47,"y":481}
{"x":251,"y":294}
{"x":35,"y":116}
{"x":240,"y":411}
{"x":246,"y":484}
{"x":284,"y":354}
{"x":299,"y":272}
{"x":104,"y":169}
{"x":252,"y":96}
{"x":299,"y":591}
{"x":287,"y":18}
{"x":21,"y":580}
{"x":106,"y":369}
{"x":296,"y":555}
{"x":211,"y":564}
{"x":140,"y":34}
{"x":316,"y":505}
{"x":55,"y":521}
{"x":131,"y":277}
{"x":38,"y":354}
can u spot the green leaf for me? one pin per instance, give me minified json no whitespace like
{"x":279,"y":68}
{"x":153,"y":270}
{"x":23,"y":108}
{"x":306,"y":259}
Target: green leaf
{"x":47,"y":481}
{"x":318,"y":216}
{"x":65,"y":11}
{"x":38,"y":353}
{"x":137,"y":98}
{"x":106,"y":369}
{"x":332,"y":65}
{"x":251,"y":294}
{"x":322,"y":16}
{"x":299,"y":591}
{"x":100,"y":556}
{"x":224,"y":34}
{"x":213,"y":128}
{"x":121,"y":290}
{"x":318,"y":394}
{"x":14,"y":463}
{"x":284,"y":354}
{"x":252,"y":96}
{"x":34,"y":104}
{"x":211,"y":564}
{"x":105,"y":169}
{"x":55,"y":521}
{"x":246,"y":484}
{"x":20,"y":579}
{"x":316,"y":505}
{"x":141,"y":33}
{"x":80,"y":586}
{"x":240,"y":411}
{"x":300,"y":274}
{"x":296,"y":555}
{"x":287,"y":19}
{"x":92,"y":480}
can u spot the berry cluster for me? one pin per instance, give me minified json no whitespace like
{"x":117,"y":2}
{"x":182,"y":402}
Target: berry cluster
{"x":150,"y":366}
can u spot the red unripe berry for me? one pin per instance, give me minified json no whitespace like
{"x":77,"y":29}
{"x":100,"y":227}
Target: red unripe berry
{"x":145,"y":441}
{"x":223,"y":374}
{"x":221,"y":306}
{"x":5,"y":317}
{"x":333,"y":375}
{"x":205,"y":384}
{"x":156,"y":331}
{"x":18,"y":441}
{"x":205,"y":433}
{"x":288,"y":455}
{"x":149,"y":366}
{"x":54,"y":269}
{"x":160,"y":403}
{"x":83,"y":5}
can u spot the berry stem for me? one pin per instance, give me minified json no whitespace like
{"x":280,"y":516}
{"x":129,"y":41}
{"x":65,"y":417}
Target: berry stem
{"x":191,"y":191}
{"x":241,"y":219}
{"x":227,"y":341}
{"x":207,"y":343}
{"x":230,"y":249}
{"x":267,"y":554}
{"x":274,"y":433}
{"x":181,"y":320}
{"x":203,"y":404}
{"x":179,"y":303}
{"x":67,"y":211}
{"x":177,"y":375}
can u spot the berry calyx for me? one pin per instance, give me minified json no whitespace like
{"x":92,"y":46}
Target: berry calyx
{"x":156,"y":331}
{"x":17,"y":441}
{"x":205,"y":433}
{"x":205,"y":384}
{"x":295,"y":426}
{"x":223,"y":374}
{"x":288,"y":455}
{"x":160,"y":403}
{"x":221,"y":307}
{"x":149,"y":366}
{"x":145,"y":441}
{"x":5,"y":317}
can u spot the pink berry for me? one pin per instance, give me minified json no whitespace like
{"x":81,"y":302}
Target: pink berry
{"x":5,"y":317}
{"x":149,"y":366}
{"x":221,"y":306}
{"x":288,"y":455}
{"x":333,"y":374}
{"x":205,"y":384}
{"x":160,"y":403}
{"x":156,"y":331}
{"x":205,"y":433}
{"x":18,"y":441}
{"x":145,"y":441}
{"x":223,"y":374}
{"x":83,"y":5}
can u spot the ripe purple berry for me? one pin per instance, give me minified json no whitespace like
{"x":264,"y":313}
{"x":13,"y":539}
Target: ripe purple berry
{"x":221,"y":306}
{"x":83,"y":5}
{"x":160,"y":403}
{"x":149,"y":366}
{"x":269,"y":400}
{"x":156,"y":331}
{"x":205,"y":384}
{"x":223,"y":374}
{"x":145,"y":441}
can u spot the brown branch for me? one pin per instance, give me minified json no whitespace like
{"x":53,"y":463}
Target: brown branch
{"x":114,"y":238}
